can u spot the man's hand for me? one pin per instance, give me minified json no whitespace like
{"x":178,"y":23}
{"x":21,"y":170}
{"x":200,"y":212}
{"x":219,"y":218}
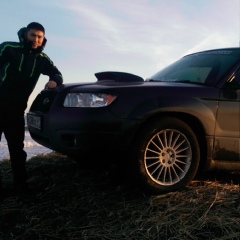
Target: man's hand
{"x":51,"y":84}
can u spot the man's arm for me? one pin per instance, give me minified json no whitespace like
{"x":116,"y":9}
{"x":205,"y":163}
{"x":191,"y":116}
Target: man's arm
{"x":55,"y":76}
{"x":3,"y":56}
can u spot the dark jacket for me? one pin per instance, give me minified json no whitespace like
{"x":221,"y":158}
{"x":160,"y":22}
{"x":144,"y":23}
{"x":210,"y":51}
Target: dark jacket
{"x":20,"y":69}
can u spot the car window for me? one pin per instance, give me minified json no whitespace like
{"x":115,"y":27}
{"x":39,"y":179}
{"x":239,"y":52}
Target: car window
{"x":204,"y":68}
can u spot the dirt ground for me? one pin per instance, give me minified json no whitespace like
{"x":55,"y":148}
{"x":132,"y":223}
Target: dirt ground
{"x":72,"y":201}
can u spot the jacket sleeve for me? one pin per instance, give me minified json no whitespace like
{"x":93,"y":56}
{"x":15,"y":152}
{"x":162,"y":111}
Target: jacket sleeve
{"x":3,"y":60}
{"x":3,"y":54}
{"x":52,"y":71}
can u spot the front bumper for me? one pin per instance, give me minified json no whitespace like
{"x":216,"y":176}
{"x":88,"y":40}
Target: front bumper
{"x":74,"y":131}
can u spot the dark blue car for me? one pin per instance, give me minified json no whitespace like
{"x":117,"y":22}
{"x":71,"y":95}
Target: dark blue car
{"x":183,"y":119}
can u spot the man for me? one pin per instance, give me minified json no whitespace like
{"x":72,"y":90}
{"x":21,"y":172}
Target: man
{"x":21,"y":64}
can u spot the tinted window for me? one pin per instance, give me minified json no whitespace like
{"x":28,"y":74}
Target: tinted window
{"x":204,"y":67}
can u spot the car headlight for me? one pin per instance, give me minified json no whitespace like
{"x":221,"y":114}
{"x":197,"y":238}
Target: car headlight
{"x":88,"y":100}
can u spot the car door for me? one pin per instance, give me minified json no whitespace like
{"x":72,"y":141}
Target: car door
{"x":227,"y":132}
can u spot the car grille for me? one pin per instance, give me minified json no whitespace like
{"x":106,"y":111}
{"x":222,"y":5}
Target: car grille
{"x":43,"y":101}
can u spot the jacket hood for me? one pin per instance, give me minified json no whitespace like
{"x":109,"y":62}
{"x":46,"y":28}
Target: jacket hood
{"x":28,"y":44}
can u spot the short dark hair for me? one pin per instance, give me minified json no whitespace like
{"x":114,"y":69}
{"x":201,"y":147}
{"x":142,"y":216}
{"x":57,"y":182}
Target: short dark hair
{"x":36,"y":25}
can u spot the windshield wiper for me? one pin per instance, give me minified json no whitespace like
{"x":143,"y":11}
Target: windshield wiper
{"x":189,"y":81}
{"x":150,"y":80}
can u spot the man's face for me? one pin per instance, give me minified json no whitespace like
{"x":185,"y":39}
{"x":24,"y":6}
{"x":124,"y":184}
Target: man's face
{"x":36,"y":37}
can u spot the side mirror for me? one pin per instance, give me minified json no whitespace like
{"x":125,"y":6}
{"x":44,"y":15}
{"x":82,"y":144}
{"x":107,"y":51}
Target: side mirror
{"x":234,"y":85}
{"x":231,"y":88}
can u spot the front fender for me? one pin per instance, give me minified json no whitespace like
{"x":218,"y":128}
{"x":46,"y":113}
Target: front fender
{"x":203,"y":110}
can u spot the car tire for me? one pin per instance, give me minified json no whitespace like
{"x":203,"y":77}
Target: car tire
{"x":168,"y":155}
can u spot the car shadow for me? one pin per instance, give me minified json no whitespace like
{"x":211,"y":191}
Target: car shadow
{"x":220,"y":176}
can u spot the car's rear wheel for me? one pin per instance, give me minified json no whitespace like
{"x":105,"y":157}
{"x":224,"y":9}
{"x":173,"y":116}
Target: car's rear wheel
{"x":167,"y":154}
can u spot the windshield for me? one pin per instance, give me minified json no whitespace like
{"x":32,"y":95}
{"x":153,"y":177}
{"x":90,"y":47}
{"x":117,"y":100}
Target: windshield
{"x":201,"y":68}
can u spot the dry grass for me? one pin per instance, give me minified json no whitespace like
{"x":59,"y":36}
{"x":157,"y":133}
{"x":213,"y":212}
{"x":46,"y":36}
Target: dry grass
{"x":80,"y":202}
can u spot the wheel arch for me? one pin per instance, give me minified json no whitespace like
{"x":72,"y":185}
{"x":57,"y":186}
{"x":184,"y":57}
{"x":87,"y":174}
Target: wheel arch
{"x":193,"y":122}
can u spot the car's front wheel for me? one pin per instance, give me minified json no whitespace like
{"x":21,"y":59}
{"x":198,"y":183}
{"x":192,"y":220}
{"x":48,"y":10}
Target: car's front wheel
{"x":168,"y":155}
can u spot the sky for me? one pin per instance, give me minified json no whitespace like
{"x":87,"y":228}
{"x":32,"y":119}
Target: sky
{"x":136,"y":36}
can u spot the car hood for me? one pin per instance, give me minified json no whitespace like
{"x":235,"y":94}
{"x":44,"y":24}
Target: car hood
{"x":128,"y":83}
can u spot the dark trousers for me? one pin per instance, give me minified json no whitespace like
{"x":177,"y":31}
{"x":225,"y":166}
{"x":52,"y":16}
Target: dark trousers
{"x":13,"y":126}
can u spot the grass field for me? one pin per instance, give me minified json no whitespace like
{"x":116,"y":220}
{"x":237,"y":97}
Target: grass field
{"x":74,"y":201}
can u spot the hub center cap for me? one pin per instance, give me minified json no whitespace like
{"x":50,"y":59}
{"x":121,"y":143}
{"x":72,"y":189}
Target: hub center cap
{"x":167,"y":157}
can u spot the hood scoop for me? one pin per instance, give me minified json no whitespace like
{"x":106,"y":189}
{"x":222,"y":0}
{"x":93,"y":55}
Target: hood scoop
{"x":118,"y":77}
